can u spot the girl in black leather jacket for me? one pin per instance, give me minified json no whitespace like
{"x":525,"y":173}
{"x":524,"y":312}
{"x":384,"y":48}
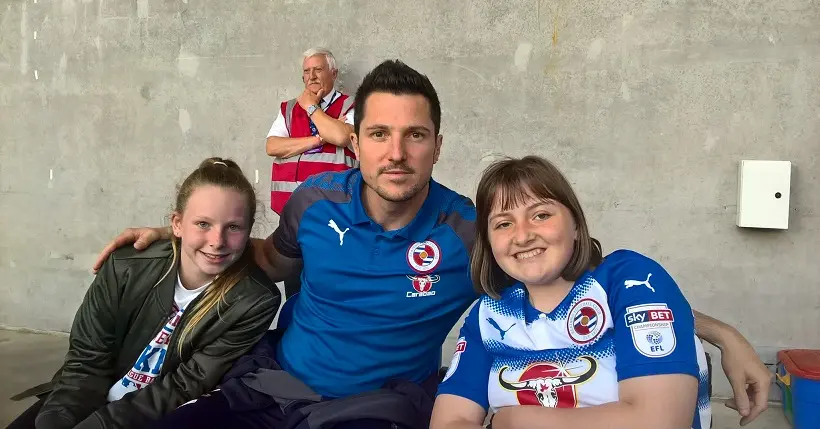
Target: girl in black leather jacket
{"x":160,"y":327}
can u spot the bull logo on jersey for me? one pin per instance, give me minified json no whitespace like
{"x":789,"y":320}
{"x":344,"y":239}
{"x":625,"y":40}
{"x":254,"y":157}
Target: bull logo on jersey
{"x":548,"y":384}
{"x":586,"y":320}
{"x":423,"y":256}
{"x":423,"y":286}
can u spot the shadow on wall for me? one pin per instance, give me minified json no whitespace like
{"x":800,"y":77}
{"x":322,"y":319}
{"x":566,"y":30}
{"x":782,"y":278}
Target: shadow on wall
{"x":350,"y":76}
{"x":352,"y":72}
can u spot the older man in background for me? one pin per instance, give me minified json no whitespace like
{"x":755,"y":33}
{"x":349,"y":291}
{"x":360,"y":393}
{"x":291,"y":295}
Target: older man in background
{"x":311,"y":134}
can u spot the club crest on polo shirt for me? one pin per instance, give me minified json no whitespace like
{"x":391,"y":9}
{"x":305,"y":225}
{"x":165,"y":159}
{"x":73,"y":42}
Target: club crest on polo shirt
{"x":423,"y":256}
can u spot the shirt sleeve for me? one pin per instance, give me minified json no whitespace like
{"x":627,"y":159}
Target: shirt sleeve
{"x":470,"y":366}
{"x":654,"y":324}
{"x":279,"y":128}
{"x":285,"y":236}
{"x":349,"y":116}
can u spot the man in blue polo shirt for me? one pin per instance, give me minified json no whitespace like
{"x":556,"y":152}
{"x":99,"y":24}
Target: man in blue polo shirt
{"x":385,"y":257}
{"x":390,"y":291}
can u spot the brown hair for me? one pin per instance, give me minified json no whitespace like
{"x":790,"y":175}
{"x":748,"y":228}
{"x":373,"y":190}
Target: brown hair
{"x":224,"y":173}
{"x":515,"y":180}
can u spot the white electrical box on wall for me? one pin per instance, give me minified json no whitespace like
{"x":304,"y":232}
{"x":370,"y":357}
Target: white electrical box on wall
{"x":763,"y":194}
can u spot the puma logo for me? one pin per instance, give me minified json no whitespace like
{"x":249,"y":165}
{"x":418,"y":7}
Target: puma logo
{"x":341,"y":233}
{"x":501,"y":332}
{"x":630,"y":283}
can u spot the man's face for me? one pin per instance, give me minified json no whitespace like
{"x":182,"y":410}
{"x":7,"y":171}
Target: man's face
{"x":397,"y":145}
{"x":317,"y":75}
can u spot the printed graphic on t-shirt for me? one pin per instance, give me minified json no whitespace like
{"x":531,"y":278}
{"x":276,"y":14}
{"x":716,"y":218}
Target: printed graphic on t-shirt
{"x":149,"y":364}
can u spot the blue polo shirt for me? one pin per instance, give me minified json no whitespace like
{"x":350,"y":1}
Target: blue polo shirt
{"x":374,"y":304}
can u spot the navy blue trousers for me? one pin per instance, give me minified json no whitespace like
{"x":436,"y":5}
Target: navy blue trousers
{"x":237,"y":406}
{"x":214,"y":411}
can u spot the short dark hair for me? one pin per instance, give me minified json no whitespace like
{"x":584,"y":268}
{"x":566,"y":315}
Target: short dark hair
{"x":395,"y":77}
{"x":515,"y":180}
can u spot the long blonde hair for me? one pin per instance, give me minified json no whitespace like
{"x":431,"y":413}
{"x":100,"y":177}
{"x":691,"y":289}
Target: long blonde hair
{"x":224,"y":173}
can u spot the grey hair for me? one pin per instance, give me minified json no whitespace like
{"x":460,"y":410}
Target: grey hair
{"x":331,"y":60}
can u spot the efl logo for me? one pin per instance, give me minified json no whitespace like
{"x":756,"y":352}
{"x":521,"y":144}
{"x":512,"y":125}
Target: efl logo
{"x":652,"y":328}
{"x":423,"y":286}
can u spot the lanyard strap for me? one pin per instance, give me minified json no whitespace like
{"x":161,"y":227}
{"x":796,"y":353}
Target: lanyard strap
{"x":313,"y":130}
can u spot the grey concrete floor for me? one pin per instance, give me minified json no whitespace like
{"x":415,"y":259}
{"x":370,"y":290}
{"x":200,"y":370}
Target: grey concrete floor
{"x":28,"y":359}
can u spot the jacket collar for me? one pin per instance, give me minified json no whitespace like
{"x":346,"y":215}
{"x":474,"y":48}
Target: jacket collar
{"x":165,"y":287}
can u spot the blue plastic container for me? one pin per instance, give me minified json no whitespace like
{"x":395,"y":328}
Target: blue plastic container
{"x":798,"y":376}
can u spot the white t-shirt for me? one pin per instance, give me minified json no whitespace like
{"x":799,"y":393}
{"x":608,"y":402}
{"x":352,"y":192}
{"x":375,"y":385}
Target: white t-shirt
{"x":280,"y":129}
{"x":149,"y":364}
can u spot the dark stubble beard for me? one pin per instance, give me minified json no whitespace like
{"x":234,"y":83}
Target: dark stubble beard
{"x":401,"y":198}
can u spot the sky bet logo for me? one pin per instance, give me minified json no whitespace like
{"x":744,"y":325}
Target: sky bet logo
{"x":649,"y":316}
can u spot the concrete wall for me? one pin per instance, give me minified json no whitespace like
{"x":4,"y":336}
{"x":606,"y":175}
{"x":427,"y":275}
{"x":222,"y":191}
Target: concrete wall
{"x":647,"y":105}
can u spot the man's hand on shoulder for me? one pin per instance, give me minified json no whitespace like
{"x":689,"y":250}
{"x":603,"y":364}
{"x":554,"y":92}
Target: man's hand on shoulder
{"x":307,"y":98}
{"x":141,"y":237}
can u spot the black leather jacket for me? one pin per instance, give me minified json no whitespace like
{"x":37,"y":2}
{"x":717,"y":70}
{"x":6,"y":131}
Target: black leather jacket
{"x":120,"y":315}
